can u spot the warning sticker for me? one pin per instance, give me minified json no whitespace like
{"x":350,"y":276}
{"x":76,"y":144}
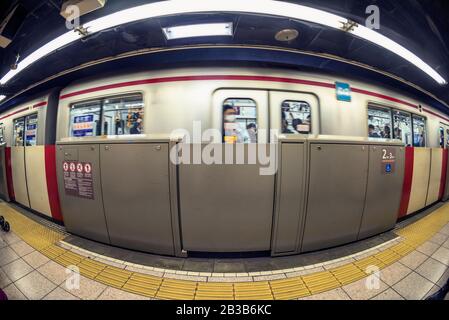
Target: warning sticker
{"x":78,"y":179}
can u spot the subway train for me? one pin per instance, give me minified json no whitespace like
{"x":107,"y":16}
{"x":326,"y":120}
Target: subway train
{"x":351,"y":158}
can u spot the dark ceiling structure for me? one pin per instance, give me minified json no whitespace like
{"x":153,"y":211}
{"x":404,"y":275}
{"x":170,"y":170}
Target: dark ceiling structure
{"x":422,"y":26}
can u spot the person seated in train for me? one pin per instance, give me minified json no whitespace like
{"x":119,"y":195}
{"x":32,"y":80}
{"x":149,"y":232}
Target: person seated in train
{"x":136,"y":127}
{"x":296,"y":123}
{"x":252,"y":132}
{"x":233,"y":133}
{"x":386,"y":134}
{"x":371,"y":132}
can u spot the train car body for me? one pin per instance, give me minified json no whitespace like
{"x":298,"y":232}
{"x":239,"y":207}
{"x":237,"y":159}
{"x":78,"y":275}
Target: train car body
{"x":117,"y":130}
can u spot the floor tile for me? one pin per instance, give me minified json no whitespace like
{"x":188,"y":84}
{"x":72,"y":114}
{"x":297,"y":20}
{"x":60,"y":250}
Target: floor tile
{"x":428,"y":248}
{"x":336,"y":294}
{"x":413,"y":260}
{"x":54,"y":272}
{"x":88,"y":289}
{"x":442,"y":255}
{"x":446,"y":244}
{"x":439,"y":238}
{"x":17,"y":269}
{"x":394,"y":273}
{"x":413,"y":287}
{"x":22,"y":248}
{"x":35,"y":286}
{"x":11,"y":238}
{"x":366,"y":288}
{"x":388,"y":294}
{"x":431,"y":269}
{"x":7,"y":255}
{"x":36,"y":259}
{"x":444,"y":278}
{"x":60,"y":294}
{"x":4,"y":280}
{"x":13,"y":293}
{"x":116,"y":294}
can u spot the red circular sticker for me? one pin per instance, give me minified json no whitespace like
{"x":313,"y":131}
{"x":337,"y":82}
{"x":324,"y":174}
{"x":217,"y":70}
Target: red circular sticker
{"x":65,"y":165}
{"x":72,"y":166}
{"x":79,"y":167}
{"x":87,"y":168}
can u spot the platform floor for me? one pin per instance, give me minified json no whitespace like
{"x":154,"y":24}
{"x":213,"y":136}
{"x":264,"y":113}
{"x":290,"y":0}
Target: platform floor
{"x":35,"y":257}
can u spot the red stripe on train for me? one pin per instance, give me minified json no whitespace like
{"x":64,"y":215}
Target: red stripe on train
{"x":408,"y":177}
{"x":443,"y":174}
{"x":52,"y":182}
{"x":9,"y":181}
{"x":240,"y":77}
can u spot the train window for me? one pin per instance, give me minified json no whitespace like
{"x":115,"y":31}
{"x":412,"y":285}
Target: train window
{"x":19,"y":128}
{"x":2,"y":133}
{"x":31,"y":130}
{"x":123,"y":115}
{"x":441,"y":137}
{"x":379,"y":123}
{"x":402,"y":123}
{"x":296,"y":117}
{"x":240,"y":121}
{"x":419,"y":131}
{"x":85,"y":119}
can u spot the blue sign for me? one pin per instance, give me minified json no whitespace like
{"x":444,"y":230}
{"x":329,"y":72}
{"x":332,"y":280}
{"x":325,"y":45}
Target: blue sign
{"x":81,"y":119}
{"x":388,"y":168}
{"x":83,"y":126}
{"x":343,"y":91}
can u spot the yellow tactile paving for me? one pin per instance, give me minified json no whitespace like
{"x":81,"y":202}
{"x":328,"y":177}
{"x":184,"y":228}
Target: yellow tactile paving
{"x":44,"y":239}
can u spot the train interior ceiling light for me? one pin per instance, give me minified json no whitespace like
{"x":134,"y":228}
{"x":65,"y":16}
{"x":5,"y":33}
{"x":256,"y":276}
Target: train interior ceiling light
{"x":2,"y":97}
{"x":257,"y":7}
{"x":198,"y":30}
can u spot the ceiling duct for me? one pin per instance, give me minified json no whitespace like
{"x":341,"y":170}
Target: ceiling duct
{"x":84,"y":6}
{"x":11,"y":24}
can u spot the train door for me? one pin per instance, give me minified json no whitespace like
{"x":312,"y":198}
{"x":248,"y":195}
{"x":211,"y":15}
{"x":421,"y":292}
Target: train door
{"x":228,"y":199}
{"x":35,"y":166}
{"x":444,"y":135}
{"x":18,"y":162}
{"x":294,"y":113}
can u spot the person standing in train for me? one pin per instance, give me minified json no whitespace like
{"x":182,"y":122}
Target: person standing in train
{"x":371,"y":132}
{"x":233,"y":133}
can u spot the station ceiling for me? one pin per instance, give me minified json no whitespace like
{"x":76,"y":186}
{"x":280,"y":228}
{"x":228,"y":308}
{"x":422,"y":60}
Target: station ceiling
{"x":422,"y":26}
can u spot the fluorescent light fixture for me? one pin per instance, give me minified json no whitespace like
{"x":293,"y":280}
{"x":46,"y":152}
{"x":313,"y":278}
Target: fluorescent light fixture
{"x":48,"y":48}
{"x":258,"y":7}
{"x":198,"y":30}
{"x":2,"y":97}
{"x":386,"y":43}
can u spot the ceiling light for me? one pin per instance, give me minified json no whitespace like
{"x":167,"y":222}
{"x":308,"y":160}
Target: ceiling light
{"x":2,"y":97}
{"x":198,"y":30}
{"x":260,"y":7}
{"x":286,"y":35}
{"x":381,"y":40}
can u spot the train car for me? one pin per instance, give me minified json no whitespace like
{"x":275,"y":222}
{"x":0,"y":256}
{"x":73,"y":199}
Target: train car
{"x":28,"y":133}
{"x":118,"y":185}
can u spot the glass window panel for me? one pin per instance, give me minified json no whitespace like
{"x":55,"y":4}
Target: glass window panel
{"x":123,"y":115}
{"x":296,"y":117}
{"x":402,"y":126}
{"x":442,"y":137}
{"x":18,"y":133}
{"x":2,"y":133}
{"x":85,"y":119}
{"x":419,"y":131}
{"x":31,"y":130}
{"x":379,"y":123}
{"x":240,"y":121}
